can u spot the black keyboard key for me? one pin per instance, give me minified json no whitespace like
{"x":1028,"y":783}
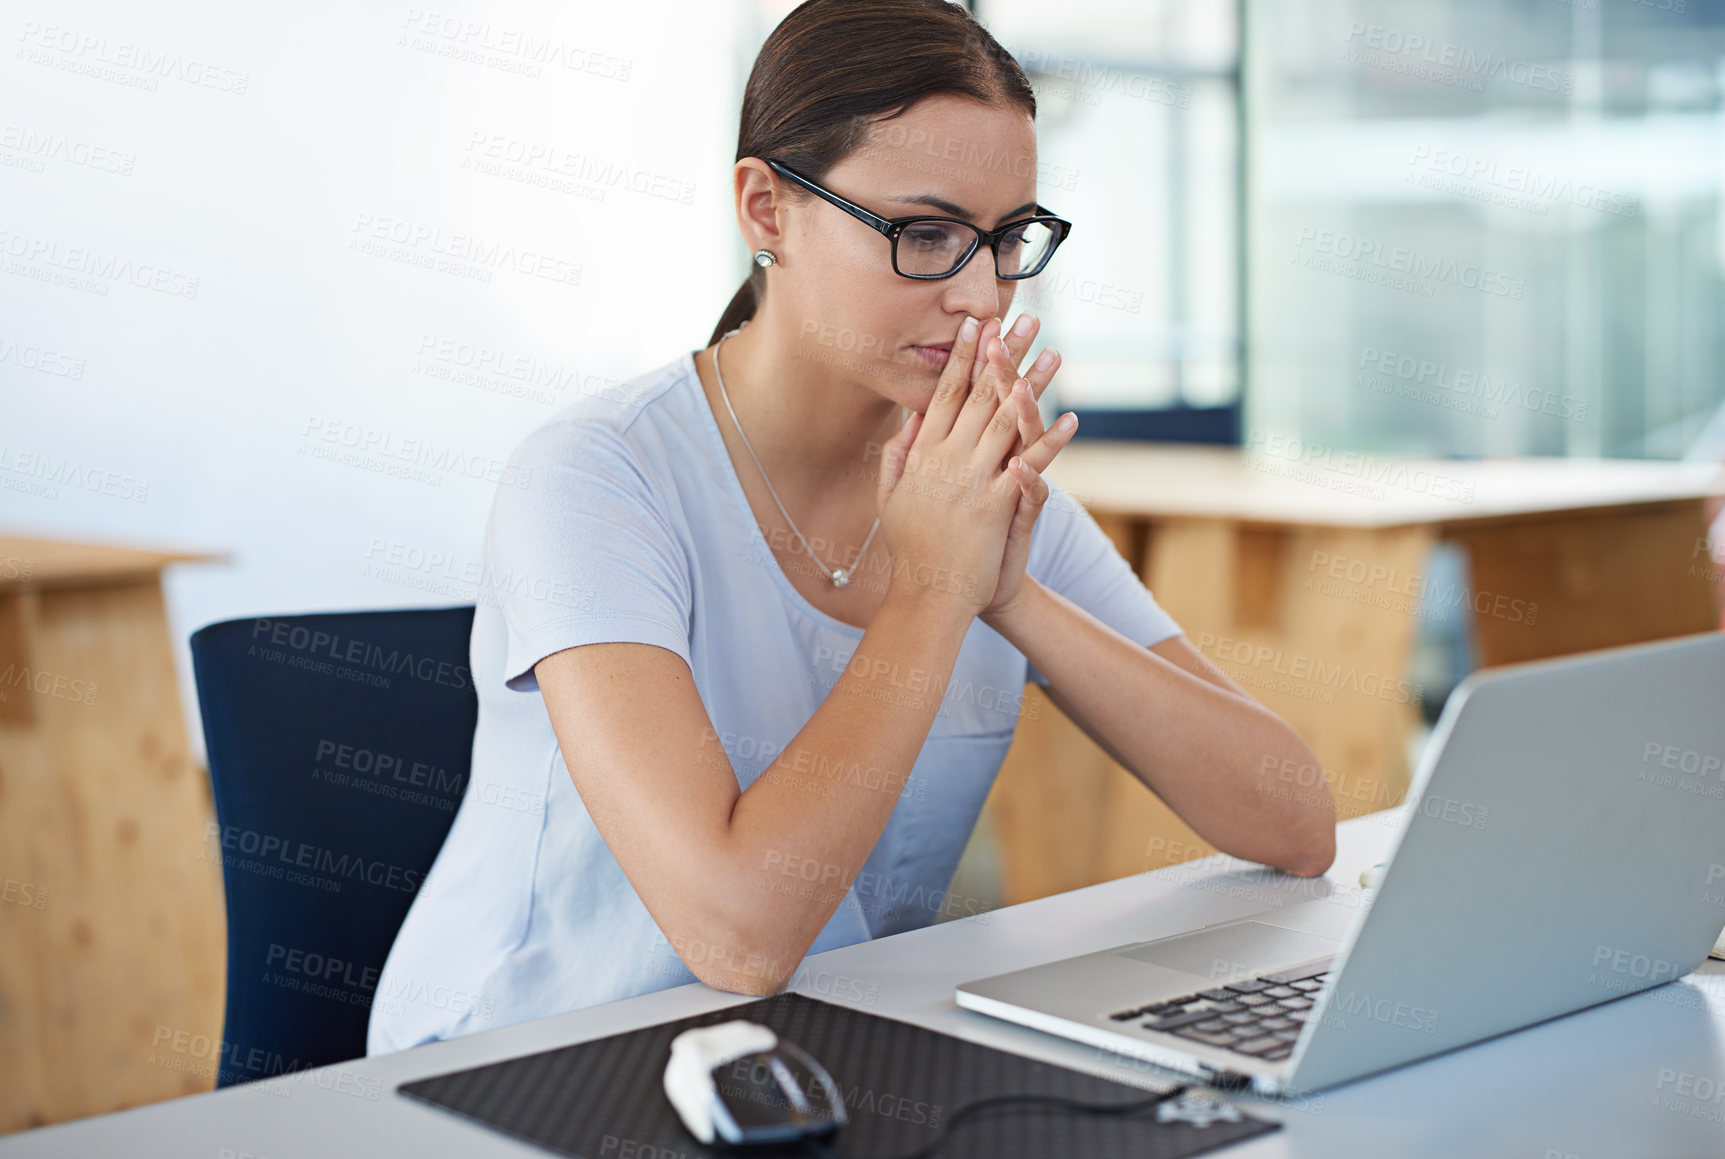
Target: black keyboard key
{"x":1254,"y":1000}
{"x":1298,"y":973}
{"x":1123,"y":1015}
{"x":1281,"y":992}
{"x":1300,"y":1003}
{"x":1239,"y":1017}
{"x":1308,"y":985}
{"x":1287,"y":1036}
{"x":1226,"y":1007}
{"x":1217,"y":995}
{"x":1278,"y":1054}
{"x":1175,"y":1021}
{"x":1210,"y":1024}
{"x":1258,"y":1045}
{"x":1250,"y":986}
{"x":1207,"y":1037}
{"x":1296,"y":1016}
{"x":1275,"y":1024}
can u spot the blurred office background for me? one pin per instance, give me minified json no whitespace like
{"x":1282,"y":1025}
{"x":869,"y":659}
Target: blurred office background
{"x":287,"y":285}
{"x":248,"y":224}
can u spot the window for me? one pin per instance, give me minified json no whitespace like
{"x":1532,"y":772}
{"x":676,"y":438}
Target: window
{"x":1138,"y":110}
{"x":1487,"y":228}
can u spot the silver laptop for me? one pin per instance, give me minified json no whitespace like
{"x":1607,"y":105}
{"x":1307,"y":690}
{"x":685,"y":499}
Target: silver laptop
{"x":1566,"y":847}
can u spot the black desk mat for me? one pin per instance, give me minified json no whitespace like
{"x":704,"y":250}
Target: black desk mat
{"x":605,"y":1099}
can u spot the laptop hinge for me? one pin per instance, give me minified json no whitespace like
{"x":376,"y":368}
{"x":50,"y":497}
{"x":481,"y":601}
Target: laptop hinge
{"x":1224,"y":1079}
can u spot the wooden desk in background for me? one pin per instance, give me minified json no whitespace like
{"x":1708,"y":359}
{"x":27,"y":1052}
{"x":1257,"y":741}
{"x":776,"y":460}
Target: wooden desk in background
{"x":1303,"y":581}
{"x":111,"y":923}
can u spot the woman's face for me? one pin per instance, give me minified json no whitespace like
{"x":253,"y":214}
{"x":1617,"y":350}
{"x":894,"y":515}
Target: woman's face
{"x":851,"y":314}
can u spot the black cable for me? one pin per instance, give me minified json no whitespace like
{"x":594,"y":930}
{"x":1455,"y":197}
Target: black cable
{"x":826,"y":1145}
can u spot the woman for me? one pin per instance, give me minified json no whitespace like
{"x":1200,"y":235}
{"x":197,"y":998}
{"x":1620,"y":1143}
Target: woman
{"x":753,"y":637}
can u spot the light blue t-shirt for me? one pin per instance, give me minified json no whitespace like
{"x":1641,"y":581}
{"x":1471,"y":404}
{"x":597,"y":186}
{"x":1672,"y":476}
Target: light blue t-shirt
{"x":623,"y":519}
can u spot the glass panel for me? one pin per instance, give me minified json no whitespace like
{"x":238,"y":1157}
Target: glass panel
{"x":1487,"y":228}
{"x":1137,"y":109}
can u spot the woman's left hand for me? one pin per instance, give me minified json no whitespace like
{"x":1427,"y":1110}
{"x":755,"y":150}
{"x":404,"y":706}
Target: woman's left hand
{"x":1024,"y":391}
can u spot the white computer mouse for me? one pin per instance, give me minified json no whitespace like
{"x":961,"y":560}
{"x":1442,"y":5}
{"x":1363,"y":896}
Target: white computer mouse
{"x":762,"y":1101}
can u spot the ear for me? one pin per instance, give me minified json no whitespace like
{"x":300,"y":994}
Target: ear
{"x":760,"y":204}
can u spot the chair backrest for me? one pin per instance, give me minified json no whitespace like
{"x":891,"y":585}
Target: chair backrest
{"x":339,"y":745}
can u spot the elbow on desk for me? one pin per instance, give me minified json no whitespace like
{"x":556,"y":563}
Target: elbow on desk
{"x":737,"y":961}
{"x":1313,"y":856}
{"x":756,"y":975}
{"x":1315,"y":865}
{"x":754,"y":985}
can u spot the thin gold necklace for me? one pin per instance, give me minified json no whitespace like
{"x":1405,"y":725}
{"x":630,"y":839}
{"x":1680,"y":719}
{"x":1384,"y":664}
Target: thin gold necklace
{"x":841,"y":576}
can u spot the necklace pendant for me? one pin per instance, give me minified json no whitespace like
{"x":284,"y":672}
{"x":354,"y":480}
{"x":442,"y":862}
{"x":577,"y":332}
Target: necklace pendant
{"x":840,"y":578}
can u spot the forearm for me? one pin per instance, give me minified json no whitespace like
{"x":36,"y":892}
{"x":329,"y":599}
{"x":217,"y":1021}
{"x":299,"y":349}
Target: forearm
{"x":800,"y":833}
{"x":1201,"y":747}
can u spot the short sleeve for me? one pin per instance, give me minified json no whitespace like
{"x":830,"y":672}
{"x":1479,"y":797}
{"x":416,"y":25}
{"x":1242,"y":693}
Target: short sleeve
{"x":1078,"y":560}
{"x":579,"y":550}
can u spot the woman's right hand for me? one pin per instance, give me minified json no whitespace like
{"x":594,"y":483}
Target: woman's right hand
{"x":945,"y":497}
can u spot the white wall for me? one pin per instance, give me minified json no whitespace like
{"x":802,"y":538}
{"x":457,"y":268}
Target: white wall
{"x":196,"y":182}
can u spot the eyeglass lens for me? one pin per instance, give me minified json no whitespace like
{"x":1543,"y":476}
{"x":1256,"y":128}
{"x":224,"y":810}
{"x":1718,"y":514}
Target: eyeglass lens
{"x":932,"y":248}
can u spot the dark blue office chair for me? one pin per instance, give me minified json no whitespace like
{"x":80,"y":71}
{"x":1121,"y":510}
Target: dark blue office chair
{"x":339,"y":746}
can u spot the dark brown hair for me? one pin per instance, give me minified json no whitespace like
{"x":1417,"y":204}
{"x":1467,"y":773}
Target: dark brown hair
{"x":832,"y":67}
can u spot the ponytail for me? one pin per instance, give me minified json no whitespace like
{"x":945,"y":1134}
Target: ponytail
{"x":742,"y":308}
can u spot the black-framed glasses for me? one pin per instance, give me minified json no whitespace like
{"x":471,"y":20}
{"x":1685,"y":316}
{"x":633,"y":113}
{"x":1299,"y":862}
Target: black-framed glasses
{"x":938,"y":247}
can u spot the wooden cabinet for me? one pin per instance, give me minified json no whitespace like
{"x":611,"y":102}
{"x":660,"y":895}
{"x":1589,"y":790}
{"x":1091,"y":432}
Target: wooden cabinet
{"x":1304,"y":584}
{"x":112,"y":958}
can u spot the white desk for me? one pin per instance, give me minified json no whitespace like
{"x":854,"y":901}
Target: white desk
{"x":1587,"y":1086}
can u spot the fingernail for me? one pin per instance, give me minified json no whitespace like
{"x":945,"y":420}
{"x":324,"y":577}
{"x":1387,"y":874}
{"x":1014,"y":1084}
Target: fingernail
{"x":969,"y":328}
{"x":1045,"y":360}
{"x":1021,"y":387}
{"x":1017,"y":463}
{"x":1067,"y":422}
{"x":1026,"y":322}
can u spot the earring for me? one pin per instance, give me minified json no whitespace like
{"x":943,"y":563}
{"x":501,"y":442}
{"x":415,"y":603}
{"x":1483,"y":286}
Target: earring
{"x":766,"y":258}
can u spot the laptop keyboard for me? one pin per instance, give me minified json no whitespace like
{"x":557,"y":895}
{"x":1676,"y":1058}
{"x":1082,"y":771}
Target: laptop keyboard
{"x":1260,"y":1017}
